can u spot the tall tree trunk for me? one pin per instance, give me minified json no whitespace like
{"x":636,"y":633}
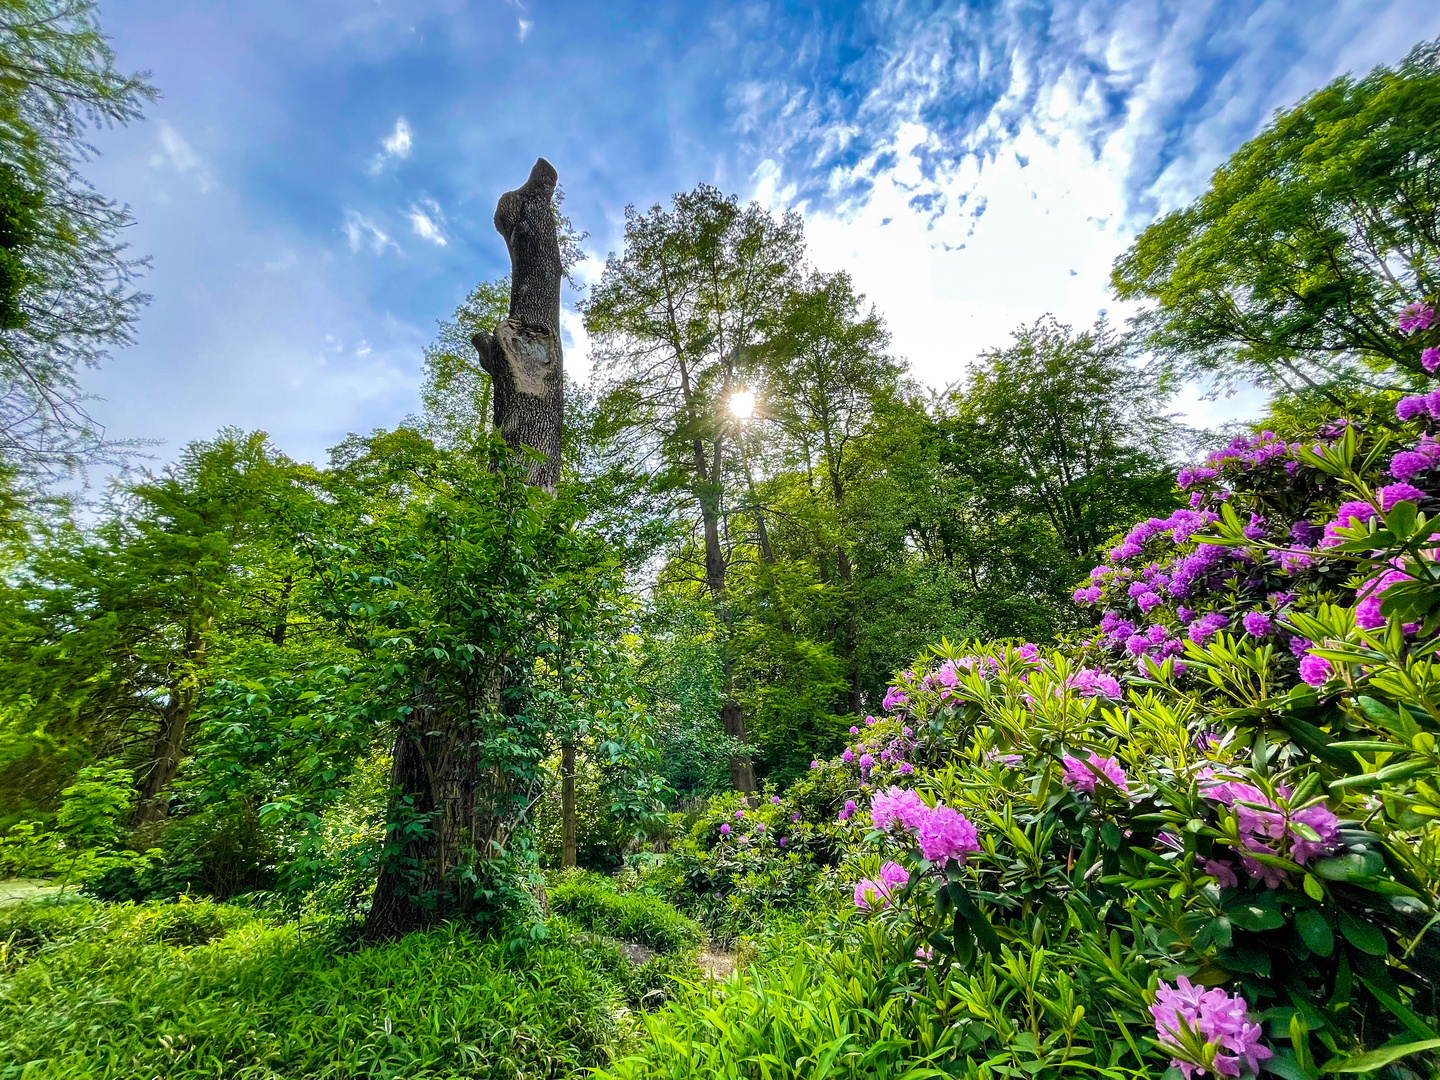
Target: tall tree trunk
{"x":438,"y":780}
{"x":567,"y":804}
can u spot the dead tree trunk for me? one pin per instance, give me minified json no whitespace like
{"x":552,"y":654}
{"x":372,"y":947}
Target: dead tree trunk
{"x":438,"y":779}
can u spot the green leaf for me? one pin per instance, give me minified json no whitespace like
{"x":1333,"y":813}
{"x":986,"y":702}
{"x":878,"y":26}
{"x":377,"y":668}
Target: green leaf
{"x":1315,"y":932}
{"x":1354,"y":866}
{"x":1363,"y":935}
{"x":1378,"y":1059}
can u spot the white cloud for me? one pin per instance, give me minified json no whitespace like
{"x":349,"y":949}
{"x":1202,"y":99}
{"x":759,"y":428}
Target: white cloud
{"x":525,"y":25}
{"x":427,"y":221}
{"x":959,"y":237}
{"x":396,"y":145}
{"x":180,"y":156}
{"x":362,"y":232}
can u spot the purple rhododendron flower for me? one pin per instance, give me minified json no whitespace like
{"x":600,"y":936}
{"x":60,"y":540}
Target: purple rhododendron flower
{"x":1408,"y":464}
{"x":1419,"y":406}
{"x":947,"y":834}
{"x":774,"y":800}
{"x":848,"y":756}
{"x":1350,"y":515}
{"x":1136,"y":644}
{"x":867,"y":760}
{"x":848,"y":810}
{"x":760,"y":826}
{"x":1207,"y":626}
{"x":1416,"y":316}
{"x":1266,"y":829}
{"x":1221,"y":1019}
{"x":725,"y":829}
{"x":894,"y":698}
{"x":906,"y":768}
{"x":1222,"y":872}
{"x":871,"y":721}
{"x":1029,"y":653}
{"x":898,"y":806}
{"x":1158,"y":633}
{"x":894,"y":875}
{"x":1394,"y":493}
{"x":870,"y":894}
{"x":739,"y":814}
{"x":854,"y":730}
{"x":1258,"y":624}
{"x":814,"y":763}
{"x":1367,"y":608}
{"x":1430,"y":359}
{"x":782,"y":841}
{"x":907,"y":732}
{"x":1315,"y":670}
{"x":1087,"y":682}
{"x":795,"y":816}
{"x":1081,"y":776}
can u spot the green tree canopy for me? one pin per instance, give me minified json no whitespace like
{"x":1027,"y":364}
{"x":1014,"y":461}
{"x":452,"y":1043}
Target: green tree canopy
{"x":1291,"y":268}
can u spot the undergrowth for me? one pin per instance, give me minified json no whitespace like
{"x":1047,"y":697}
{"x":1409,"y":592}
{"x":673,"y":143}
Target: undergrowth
{"x":186,"y":990}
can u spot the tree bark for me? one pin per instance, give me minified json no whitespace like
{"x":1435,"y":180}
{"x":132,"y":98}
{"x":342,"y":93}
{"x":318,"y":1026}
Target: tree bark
{"x":567,"y":804}
{"x":153,"y":806}
{"x":448,"y":807}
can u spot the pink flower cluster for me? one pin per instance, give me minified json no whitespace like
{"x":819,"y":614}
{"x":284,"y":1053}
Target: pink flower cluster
{"x":1267,"y":829}
{"x":942,"y":832}
{"x":1220,"y":1019}
{"x":1081,"y":775}
{"x":1087,"y":682}
{"x":876,"y":894}
{"x":1415,"y":317}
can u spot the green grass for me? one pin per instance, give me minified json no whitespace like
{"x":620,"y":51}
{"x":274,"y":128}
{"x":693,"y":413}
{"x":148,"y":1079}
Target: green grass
{"x":195,"y":990}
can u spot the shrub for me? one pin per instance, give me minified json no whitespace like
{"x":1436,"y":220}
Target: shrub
{"x":591,"y":902}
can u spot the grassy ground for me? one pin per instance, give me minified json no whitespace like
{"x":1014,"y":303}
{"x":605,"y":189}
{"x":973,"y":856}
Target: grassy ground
{"x":196,"y":989}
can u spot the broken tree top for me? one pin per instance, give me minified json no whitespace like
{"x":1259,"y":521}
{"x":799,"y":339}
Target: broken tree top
{"x":526,"y":219}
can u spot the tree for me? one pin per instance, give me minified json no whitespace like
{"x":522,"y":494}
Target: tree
{"x":1065,"y":429}
{"x":674,"y":319}
{"x":826,"y":373}
{"x":67,"y":288}
{"x":456,"y":393}
{"x":476,"y":548}
{"x":109,"y":631}
{"x":1290,"y":268}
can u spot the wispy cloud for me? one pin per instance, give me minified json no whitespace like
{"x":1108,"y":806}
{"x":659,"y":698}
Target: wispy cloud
{"x":428,"y":222}
{"x":364,"y":233}
{"x":395,"y":146}
{"x":177,"y":154}
{"x":525,"y":25}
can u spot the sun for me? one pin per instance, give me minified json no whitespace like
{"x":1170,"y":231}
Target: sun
{"x":742,"y":404}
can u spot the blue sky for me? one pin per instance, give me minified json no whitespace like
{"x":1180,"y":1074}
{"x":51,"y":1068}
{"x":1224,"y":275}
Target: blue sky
{"x":316,"y":184}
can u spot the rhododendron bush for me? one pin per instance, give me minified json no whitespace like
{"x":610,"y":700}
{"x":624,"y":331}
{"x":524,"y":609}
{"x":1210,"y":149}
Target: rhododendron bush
{"x":1206,"y":833}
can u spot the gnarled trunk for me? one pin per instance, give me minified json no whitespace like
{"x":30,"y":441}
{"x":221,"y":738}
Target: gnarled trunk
{"x":449,"y":807}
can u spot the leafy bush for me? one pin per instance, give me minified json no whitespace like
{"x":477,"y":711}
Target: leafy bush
{"x":592,"y":902}
{"x":1204,"y":835}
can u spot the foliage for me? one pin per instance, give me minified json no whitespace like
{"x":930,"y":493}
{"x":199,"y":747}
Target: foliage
{"x":592,"y":902}
{"x":67,"y":288}
{"x":192,"y":989}
{"x":1286,"y":271}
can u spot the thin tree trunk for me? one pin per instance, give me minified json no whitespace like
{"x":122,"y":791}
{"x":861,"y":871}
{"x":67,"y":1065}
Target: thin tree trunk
{"x":567,"y":804}
{"x":153,"y":806}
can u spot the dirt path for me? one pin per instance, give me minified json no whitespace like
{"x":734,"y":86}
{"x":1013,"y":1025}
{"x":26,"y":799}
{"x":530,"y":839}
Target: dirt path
{"x":716,"y":963}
